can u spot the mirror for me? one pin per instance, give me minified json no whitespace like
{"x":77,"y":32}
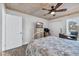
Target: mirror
{"x":39,"y":25}
{"x":72,"y":25}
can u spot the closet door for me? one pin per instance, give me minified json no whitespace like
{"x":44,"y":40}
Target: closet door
{"x":13,"y":31}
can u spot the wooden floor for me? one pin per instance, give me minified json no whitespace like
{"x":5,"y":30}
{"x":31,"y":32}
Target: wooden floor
{"x":20,"y":51}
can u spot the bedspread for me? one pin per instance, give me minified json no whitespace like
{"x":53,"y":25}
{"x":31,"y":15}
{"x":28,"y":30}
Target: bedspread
{"x":53,"y":46}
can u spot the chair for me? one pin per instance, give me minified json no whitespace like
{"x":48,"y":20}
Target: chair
{"x":74,"y":35}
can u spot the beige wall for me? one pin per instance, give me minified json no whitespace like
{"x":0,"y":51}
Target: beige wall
{"x":56,"y":24}
{"x":28,"y":24}
{"x":0,"y":27}
{"x":2,"y":21}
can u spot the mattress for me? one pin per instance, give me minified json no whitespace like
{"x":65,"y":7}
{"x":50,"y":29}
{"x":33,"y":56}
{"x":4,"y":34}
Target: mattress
{"x":52,"y":46}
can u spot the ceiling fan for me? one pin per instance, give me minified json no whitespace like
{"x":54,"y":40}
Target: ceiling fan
{"x":54,"y":9}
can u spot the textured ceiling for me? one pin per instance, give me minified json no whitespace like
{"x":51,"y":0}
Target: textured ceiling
{"x":35,"y":9}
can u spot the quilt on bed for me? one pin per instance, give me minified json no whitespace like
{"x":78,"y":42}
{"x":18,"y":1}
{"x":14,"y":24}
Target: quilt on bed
{"x":53,"y":46}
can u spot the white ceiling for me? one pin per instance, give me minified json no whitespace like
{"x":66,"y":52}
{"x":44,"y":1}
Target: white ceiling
{"x":35,"y":9}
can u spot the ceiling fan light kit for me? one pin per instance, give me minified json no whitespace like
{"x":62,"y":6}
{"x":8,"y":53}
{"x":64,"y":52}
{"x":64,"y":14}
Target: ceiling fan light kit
{"x":54,"y":9}
{"x":52,"y":13}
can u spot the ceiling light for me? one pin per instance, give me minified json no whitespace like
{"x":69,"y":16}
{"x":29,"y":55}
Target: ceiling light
{"x":52,"y":13}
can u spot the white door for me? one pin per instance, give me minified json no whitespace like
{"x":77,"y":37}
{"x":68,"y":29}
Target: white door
{"x":13,"y":31}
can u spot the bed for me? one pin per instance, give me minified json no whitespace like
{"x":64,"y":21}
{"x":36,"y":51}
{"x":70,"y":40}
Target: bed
{"x":52,"y":46}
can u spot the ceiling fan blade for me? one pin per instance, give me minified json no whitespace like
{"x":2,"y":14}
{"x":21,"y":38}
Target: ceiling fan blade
{"x":58,"y":5}
{"x":60,"y":10}
{"x":45,"y":9}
